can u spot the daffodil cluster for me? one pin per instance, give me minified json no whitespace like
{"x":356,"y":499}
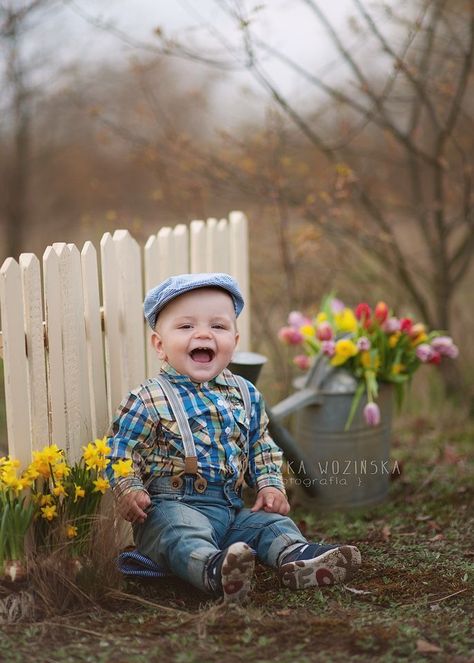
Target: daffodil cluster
{"x":68,"y":496}
{"x":373,"y":344}
{"x":59,"y":500}
{"x":16,"y":511}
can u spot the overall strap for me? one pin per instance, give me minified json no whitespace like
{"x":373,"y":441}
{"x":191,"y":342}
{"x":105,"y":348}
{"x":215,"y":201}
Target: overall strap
{"x":244,"y":390}
{"x":190,"y":462}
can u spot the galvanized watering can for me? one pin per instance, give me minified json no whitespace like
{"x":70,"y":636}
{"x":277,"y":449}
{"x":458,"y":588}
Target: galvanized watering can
{"x":341,"y":468}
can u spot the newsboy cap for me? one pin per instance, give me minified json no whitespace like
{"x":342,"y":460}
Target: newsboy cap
{"x":157,"y":298}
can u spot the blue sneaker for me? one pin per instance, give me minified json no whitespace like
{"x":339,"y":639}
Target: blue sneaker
{"x":317,"y":565}
{"x":230,"y":572}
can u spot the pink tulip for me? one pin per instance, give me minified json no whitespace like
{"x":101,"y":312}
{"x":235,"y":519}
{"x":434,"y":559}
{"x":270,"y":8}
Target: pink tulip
{"x":445,"y":346}
{"x":424,"y":352}
{"x":337,"y":306}
{"x":297,"y":319}
{"x":290,"y":336}
{"x":328,"y":348}
{"x":391,"y":325}
{"x":372,"y":414}
{"x":324,"y":331}
{"x":302,"y":361}
{"x":363,"y":343}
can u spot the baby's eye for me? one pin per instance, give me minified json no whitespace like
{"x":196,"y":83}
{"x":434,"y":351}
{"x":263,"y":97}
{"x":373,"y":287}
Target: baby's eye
{"x":184,"y":327}
{"x":218,"y":326}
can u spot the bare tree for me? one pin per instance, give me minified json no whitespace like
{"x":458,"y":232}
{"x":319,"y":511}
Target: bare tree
{"x":16,"y":19}
{"x":404,"y":148}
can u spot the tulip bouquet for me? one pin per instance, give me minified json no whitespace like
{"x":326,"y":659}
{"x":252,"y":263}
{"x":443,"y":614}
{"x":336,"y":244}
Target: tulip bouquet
{"x":373,"y":345}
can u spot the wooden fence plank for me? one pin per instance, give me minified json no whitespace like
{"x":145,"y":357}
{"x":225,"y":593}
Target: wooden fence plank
{"x":15,"y":362}
{"x":54,"y":354}
{"x":112,"y":336}
{"x":131,"y":307}
{"x":35,"y":335}
{"x":153,"y":275}
{"x":198,"y":247}
{"x":94,"y":341}
{"x":181,"y":261}
{"x":239,"y":268}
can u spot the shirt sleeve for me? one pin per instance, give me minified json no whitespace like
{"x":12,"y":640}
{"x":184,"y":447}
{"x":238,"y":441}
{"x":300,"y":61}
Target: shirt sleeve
{"x":131,"y":429}
{"x":265,"y":457}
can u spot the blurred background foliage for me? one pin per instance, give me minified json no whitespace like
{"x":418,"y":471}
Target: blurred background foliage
{"x":361,"y":183}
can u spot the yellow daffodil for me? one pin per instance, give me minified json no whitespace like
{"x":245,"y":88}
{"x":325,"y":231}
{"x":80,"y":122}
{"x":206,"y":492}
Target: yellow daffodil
{"x":344,"y":350}
{"x":49,"y":512}
{"x":45,"y":500}
{"x":122,"y":468}
{"x":80,"y":492}
{"x":345,"y":321}
{"x":102,"y":446}
{"x":62,"y":470}
{"x":321,"y":317}
{"x":71,"y":531}
{"x":51,"y":454}
{"x":59,"y":490}
{"x":90,"y":451}
{"x":101,"y":485}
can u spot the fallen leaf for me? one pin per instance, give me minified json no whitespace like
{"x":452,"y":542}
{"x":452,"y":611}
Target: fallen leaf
{"x":420,"y":518}
{"x":283,"y":613}
{"x":426,"y":647}
{"x":437,"y":537}
{"x":356,"y":591}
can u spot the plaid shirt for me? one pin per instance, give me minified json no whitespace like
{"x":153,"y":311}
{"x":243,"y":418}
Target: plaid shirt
{"x":145,"y":430}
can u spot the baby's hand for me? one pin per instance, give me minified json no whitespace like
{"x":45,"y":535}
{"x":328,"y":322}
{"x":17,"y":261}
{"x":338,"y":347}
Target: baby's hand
{"x":131,"y":506}
{"x":271,"y":500}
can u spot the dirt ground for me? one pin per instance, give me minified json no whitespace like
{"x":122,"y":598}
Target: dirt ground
{"x":412,"y":599}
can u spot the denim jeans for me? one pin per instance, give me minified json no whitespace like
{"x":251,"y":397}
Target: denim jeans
{"x":184,"y":528}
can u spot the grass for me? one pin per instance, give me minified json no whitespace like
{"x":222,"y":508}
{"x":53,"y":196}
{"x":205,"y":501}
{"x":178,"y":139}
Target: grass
{"x":413,"y":591}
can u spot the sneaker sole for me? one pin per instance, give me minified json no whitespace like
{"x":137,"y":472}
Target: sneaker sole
{"x":237,"y":572}
{"x":333,"y":566}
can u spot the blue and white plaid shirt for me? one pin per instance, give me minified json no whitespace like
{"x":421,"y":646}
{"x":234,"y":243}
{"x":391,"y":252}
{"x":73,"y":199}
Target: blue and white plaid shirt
{"x":145,"y":430}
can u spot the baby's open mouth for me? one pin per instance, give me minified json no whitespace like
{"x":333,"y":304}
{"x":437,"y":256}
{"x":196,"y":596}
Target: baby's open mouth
{"x":202,"y":355}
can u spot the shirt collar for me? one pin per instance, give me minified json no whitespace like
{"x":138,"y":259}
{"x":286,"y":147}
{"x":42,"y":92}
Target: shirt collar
{"x":225,"y":378}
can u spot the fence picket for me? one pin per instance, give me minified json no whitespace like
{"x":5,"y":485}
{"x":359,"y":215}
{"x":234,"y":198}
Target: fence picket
{"x":112,"y":337}
{"x":198,"y":252}
{"x":94,"y":341}
{"x":54,"y":355}
{"x":180,"y":264}
{"x":35,"y":334}
{"x":131,"y":306}
{"x":16,"y":368}
{"x":239,"y":268}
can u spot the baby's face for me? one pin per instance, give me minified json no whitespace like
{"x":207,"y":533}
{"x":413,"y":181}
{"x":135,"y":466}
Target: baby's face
{"x":196,"y":333}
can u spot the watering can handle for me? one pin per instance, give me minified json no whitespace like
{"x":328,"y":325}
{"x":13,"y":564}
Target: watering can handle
{"x":295,"y":402}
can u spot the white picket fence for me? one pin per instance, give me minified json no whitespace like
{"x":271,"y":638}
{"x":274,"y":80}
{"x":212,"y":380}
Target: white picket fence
{"x":74,"y":342}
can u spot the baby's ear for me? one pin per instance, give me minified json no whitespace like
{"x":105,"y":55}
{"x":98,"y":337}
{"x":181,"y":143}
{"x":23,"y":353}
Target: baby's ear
{"x":157,"y":343}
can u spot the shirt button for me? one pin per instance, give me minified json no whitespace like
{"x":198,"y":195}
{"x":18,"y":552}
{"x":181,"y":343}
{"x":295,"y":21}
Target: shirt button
{"x":219,"y":402}
{"x":227,"y":430}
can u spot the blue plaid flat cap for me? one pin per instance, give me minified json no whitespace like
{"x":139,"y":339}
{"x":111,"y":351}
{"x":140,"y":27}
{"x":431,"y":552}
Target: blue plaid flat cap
{"x":157,"y":298}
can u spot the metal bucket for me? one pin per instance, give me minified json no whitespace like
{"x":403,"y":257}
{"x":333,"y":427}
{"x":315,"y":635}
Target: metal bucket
{"x":248,"y":365}
{"x":350,"y":468}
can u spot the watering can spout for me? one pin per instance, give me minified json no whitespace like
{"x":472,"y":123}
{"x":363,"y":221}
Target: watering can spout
{"x":295,"y":402}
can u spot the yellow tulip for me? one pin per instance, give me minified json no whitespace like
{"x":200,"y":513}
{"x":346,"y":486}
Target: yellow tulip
{"x":344,"y":350}
{"x":345,"y":321}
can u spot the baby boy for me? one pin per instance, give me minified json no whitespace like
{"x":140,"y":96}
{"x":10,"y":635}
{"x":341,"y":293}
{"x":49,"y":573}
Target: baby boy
{"x":192,"y":436}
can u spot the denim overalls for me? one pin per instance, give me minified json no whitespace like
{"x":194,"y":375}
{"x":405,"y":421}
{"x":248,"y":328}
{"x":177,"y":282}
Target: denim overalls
{"x":189,"y":520}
